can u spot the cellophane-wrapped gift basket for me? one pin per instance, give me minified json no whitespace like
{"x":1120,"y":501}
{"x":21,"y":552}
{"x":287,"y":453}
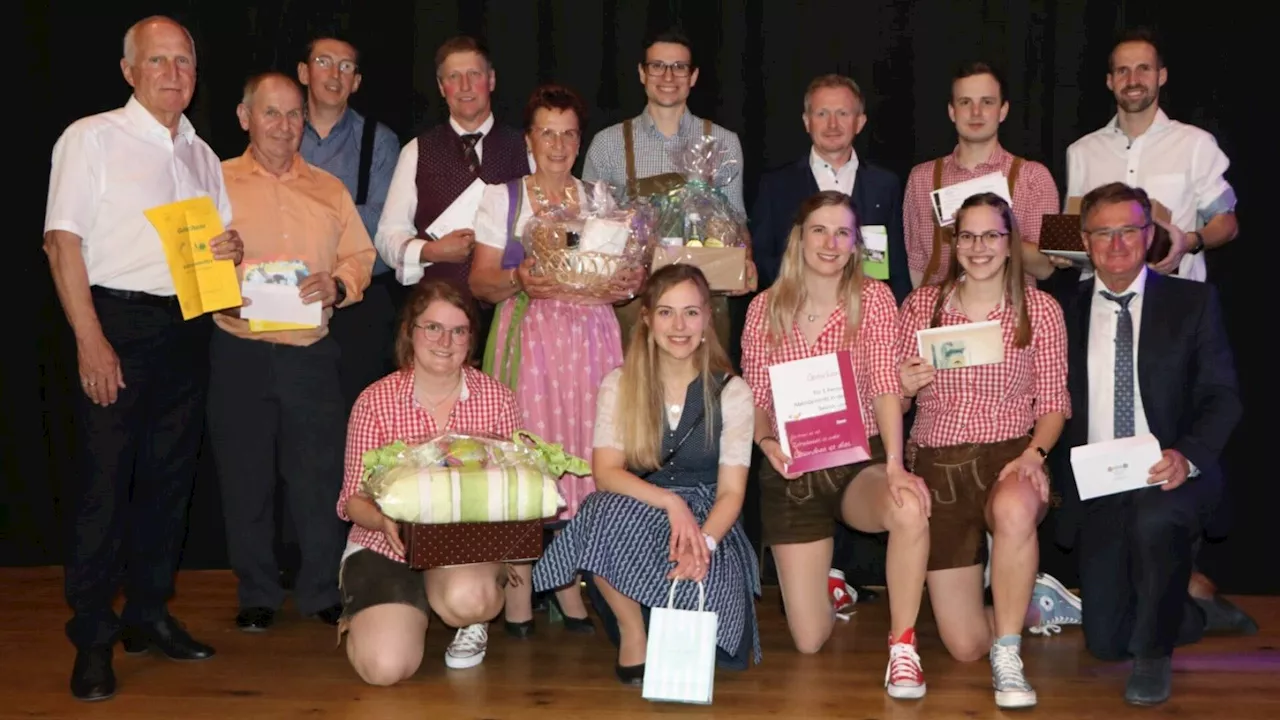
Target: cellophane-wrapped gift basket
{"x":465,"y":499}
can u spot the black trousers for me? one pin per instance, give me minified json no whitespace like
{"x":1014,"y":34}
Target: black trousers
{"x":1135,"y":563}
{"x":365,"y":333}
{"x":279,"y":408}
{"x":137,"y":459}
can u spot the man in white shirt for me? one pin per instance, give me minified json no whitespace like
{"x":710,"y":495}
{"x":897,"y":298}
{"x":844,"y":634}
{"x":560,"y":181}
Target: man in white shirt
{"x":141,"y":367}
{"x":1178,"y":164}
{"x":1148,"y":354}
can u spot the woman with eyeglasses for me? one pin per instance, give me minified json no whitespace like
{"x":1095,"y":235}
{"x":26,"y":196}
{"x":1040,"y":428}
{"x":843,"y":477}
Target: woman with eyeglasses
{"x":981,"y":436}
{"x":387,"y":603}
{"x":554,"y":347}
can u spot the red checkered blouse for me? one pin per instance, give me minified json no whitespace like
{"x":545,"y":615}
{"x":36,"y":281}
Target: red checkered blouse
{"x":387,"y":411}
{"x":989,"y":403}
{"x":875,"y":359}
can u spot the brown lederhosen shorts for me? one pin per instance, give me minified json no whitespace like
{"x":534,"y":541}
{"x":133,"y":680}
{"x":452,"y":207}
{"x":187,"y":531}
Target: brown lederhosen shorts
{"x":960,"y":478}
{"x":802,"y":510}
{"x":368,"y":578}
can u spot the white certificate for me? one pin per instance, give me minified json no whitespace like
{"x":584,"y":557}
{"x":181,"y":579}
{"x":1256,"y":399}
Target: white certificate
{"x":278,"y":303}
{"x":949,"y":199}
{"x":1115,"y":466}
{"x":965,"y":345}
{"x":461,"y":213}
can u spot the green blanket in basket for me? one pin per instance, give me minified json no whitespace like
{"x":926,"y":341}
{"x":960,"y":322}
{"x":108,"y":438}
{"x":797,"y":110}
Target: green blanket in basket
{"x":440,"y":495}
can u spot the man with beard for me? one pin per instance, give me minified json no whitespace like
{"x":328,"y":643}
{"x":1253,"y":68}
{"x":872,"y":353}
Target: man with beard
{"x":1178,"y":164}
{"x":1181,"y":166}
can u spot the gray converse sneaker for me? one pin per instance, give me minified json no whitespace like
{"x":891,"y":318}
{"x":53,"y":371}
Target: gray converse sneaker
{"x":1012,"y":689}
{"x":468,"y":647}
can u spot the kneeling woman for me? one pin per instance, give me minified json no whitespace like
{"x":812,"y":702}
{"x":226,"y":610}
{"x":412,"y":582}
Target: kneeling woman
{"x":672,"y":449}
{"x":980,"y":438}
{"x":388,"y":604}
{"x":821,"y":304}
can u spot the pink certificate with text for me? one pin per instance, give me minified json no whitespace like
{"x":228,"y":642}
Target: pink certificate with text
{"x":815,"y":401}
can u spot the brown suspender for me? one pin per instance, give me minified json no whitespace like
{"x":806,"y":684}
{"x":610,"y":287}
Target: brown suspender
{"x":629,"y":146}
{"x":939,"y":231}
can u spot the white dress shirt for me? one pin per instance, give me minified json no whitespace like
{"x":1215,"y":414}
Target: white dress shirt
{"x":110,"y":168}
{"x":829,"y":178}
{"x":397,"y":238}
{"x":492,"y":219}
{"x":1178,"y":164}
{"x":1104,"y":317}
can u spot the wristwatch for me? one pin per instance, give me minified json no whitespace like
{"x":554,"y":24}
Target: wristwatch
{"x":1199,"y":243}
{"x":341,"y":291}
{"x":1040,"y":451}
{"x":711,"y":542}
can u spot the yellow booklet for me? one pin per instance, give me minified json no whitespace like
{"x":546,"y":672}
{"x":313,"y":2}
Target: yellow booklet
{"x":203,"y":284}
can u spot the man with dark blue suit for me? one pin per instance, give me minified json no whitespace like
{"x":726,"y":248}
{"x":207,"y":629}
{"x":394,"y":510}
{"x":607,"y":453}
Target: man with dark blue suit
{"x":834,"y":114}
{"x":1146,"y":354}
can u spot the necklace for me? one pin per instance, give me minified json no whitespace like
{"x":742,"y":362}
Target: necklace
{"x":540,"y":197}
{"x":432,"y":408}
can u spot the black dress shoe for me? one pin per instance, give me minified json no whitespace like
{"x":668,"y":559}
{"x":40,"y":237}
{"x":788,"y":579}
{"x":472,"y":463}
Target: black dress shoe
{"x":520,"y":630}
{"x":92,"y":677}
{"x":330,"y":615}
{"x":1151,"y":681}
{"x":167,"y":636}
{"x":582,"y":625}
{"x":255,"y":619}
{"x":1222,"y":617}
{"x":865,"y":594}
{"x":630,"y":674}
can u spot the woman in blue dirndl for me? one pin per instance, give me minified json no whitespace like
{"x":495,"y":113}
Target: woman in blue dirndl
{"x":671,"y":453}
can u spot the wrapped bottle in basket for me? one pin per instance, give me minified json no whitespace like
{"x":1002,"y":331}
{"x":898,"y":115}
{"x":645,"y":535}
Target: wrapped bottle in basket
{"x":696,"y":223}
{"x":587,"y":248}
{"x":464,"y":499}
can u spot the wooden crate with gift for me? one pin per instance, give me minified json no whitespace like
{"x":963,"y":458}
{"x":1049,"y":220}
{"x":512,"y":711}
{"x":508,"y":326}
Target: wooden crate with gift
{"x":697,"y":225}
{"x":466,"y":499}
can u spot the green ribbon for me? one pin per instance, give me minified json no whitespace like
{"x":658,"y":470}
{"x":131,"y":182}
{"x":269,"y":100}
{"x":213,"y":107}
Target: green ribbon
{"x":506,"y":369}
{"x":558,"y":461}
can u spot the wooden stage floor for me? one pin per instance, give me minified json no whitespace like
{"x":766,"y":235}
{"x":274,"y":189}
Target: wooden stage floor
{"x":295,"y":670}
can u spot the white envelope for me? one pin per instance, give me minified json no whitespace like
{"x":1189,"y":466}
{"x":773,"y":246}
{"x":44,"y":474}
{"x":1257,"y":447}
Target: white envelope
{"x":278,"y":303}
{"x":604,"y":236}
{"x":461,"y":213}
{"x":949,"y":199}
{"x":1115,"y":466}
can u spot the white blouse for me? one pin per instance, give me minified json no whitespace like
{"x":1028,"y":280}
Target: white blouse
{"x":491,"y":217}
{"x":736,"y":408}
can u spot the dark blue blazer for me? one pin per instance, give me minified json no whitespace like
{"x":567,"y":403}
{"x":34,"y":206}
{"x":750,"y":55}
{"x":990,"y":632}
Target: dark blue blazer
{"x":1186,"y":376}
{"x":877,"y":200}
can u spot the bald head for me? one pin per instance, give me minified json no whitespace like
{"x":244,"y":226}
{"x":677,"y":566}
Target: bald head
{"x":155,"y":21}
{"x":272,"y":80}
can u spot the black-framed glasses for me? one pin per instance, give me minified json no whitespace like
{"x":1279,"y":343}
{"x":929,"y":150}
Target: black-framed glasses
{"x":989,"y":238}
{"x":679,"y":69}
{"x":433,"y":331}
{"x":1128,"y":233}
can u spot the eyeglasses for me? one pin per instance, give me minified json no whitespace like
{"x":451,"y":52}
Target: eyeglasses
{"x":346,"y":67}
{"x":989,"y":238}
{"x":549,"y":136}
{"x":433,"y":331}
{"x":1129,"y":233}
{"x":679,"y":69}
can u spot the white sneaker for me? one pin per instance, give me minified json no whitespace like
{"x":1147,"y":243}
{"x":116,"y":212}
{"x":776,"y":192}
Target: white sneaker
{"x":1012,"y":689}
{"x":468,"y":647}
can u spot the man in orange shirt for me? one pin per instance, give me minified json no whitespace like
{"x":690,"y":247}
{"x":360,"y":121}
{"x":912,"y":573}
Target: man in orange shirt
{"x":275,"y":397}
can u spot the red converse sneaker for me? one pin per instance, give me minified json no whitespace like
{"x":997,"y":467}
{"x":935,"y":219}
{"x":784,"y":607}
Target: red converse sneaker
{"x":903,"y":678}
{"x":843,"y":597}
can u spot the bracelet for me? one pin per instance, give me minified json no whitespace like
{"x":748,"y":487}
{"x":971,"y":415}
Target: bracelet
{"x":711,"y":542}
{"x":762,"y":440}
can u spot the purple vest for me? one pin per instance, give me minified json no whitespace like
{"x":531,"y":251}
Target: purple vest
{"x":443,"y":176}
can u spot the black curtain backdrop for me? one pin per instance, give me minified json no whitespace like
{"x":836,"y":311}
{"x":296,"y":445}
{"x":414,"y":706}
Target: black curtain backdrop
{"x":755,"y":58}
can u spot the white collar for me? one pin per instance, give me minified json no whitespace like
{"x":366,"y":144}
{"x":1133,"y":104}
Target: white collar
{"x":484,"y":128}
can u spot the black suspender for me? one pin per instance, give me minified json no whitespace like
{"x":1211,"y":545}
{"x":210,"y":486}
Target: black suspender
{"x":366,"y":160}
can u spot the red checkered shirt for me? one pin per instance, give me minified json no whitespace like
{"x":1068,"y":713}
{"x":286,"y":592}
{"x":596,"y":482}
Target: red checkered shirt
{"x":875,"y":359}
{"x":387,"y":411}
{"x":989,"y":403}
{"x":1034,"y":196}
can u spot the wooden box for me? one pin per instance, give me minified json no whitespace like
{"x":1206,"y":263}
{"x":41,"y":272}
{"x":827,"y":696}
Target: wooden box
{"x":433,"y":546}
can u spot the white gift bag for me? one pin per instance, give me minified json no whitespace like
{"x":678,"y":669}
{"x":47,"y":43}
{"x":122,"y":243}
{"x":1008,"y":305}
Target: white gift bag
{"x":680,"y":665}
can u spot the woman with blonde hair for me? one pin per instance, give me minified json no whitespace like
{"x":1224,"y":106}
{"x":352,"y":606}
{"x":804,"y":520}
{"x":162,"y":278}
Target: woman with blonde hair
{"x":672,"y":450}
{"x":820,"y":304}
{"x":981,"y":436}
